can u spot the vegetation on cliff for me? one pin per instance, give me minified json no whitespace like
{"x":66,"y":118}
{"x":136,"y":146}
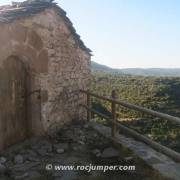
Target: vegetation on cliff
{"x":158,"y":93}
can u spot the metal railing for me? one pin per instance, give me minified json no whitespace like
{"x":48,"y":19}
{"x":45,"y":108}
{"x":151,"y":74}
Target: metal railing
{"x":116,"y":125}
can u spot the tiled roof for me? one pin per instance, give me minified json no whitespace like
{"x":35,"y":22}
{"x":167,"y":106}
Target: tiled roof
{"x":27,"y":8}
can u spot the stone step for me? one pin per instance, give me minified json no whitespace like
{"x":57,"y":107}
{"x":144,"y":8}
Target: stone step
{"x":158,"y":161}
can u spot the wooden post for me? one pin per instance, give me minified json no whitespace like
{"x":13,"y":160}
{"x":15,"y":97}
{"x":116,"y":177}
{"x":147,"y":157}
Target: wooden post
{"x":89,"y":106}
{"x":113,"y":111}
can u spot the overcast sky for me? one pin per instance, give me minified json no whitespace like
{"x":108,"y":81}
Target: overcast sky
{"x":128,"y":33}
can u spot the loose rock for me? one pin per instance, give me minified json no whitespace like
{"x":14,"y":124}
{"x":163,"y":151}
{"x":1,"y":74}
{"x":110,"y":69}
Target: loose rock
{"x":2,"y":160}
{"x":96,"y":151}
{"x":18,"y":159}
{"x":81,"y":142}
{"x":60,"y":151}
{"x":42,"y":152}
{"x":61,"y":146}
{"x":110,"y":152}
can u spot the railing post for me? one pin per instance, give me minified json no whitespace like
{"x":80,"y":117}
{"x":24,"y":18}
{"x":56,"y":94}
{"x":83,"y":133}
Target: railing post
{"x":89,"y":106}
{"x":113,"y":111}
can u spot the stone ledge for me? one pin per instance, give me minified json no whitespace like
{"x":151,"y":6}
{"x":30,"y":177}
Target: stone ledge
{"x":158,"y":161}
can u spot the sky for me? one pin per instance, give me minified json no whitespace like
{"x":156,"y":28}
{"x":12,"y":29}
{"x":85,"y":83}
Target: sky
{"x":128,"y":33}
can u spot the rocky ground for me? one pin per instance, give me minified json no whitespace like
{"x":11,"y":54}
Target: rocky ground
{"x":78,"y":145}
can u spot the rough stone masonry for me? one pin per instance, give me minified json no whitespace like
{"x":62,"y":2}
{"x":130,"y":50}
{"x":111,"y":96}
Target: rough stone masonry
{"x":43,"y":64}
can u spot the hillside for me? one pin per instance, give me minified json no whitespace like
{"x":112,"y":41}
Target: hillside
{"x":174,"y":72}
{"x":96,"y":67}
{"x":158,"y":93}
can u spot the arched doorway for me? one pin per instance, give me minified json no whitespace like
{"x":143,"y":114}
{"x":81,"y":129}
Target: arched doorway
{"x":13,"y":92}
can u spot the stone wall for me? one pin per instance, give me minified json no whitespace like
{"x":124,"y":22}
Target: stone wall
{"x":68,"y":69}
{"x":55,"y":65}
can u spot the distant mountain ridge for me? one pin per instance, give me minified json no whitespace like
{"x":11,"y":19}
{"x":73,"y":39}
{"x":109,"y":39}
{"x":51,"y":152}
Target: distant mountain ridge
{"x":96,"y":67}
